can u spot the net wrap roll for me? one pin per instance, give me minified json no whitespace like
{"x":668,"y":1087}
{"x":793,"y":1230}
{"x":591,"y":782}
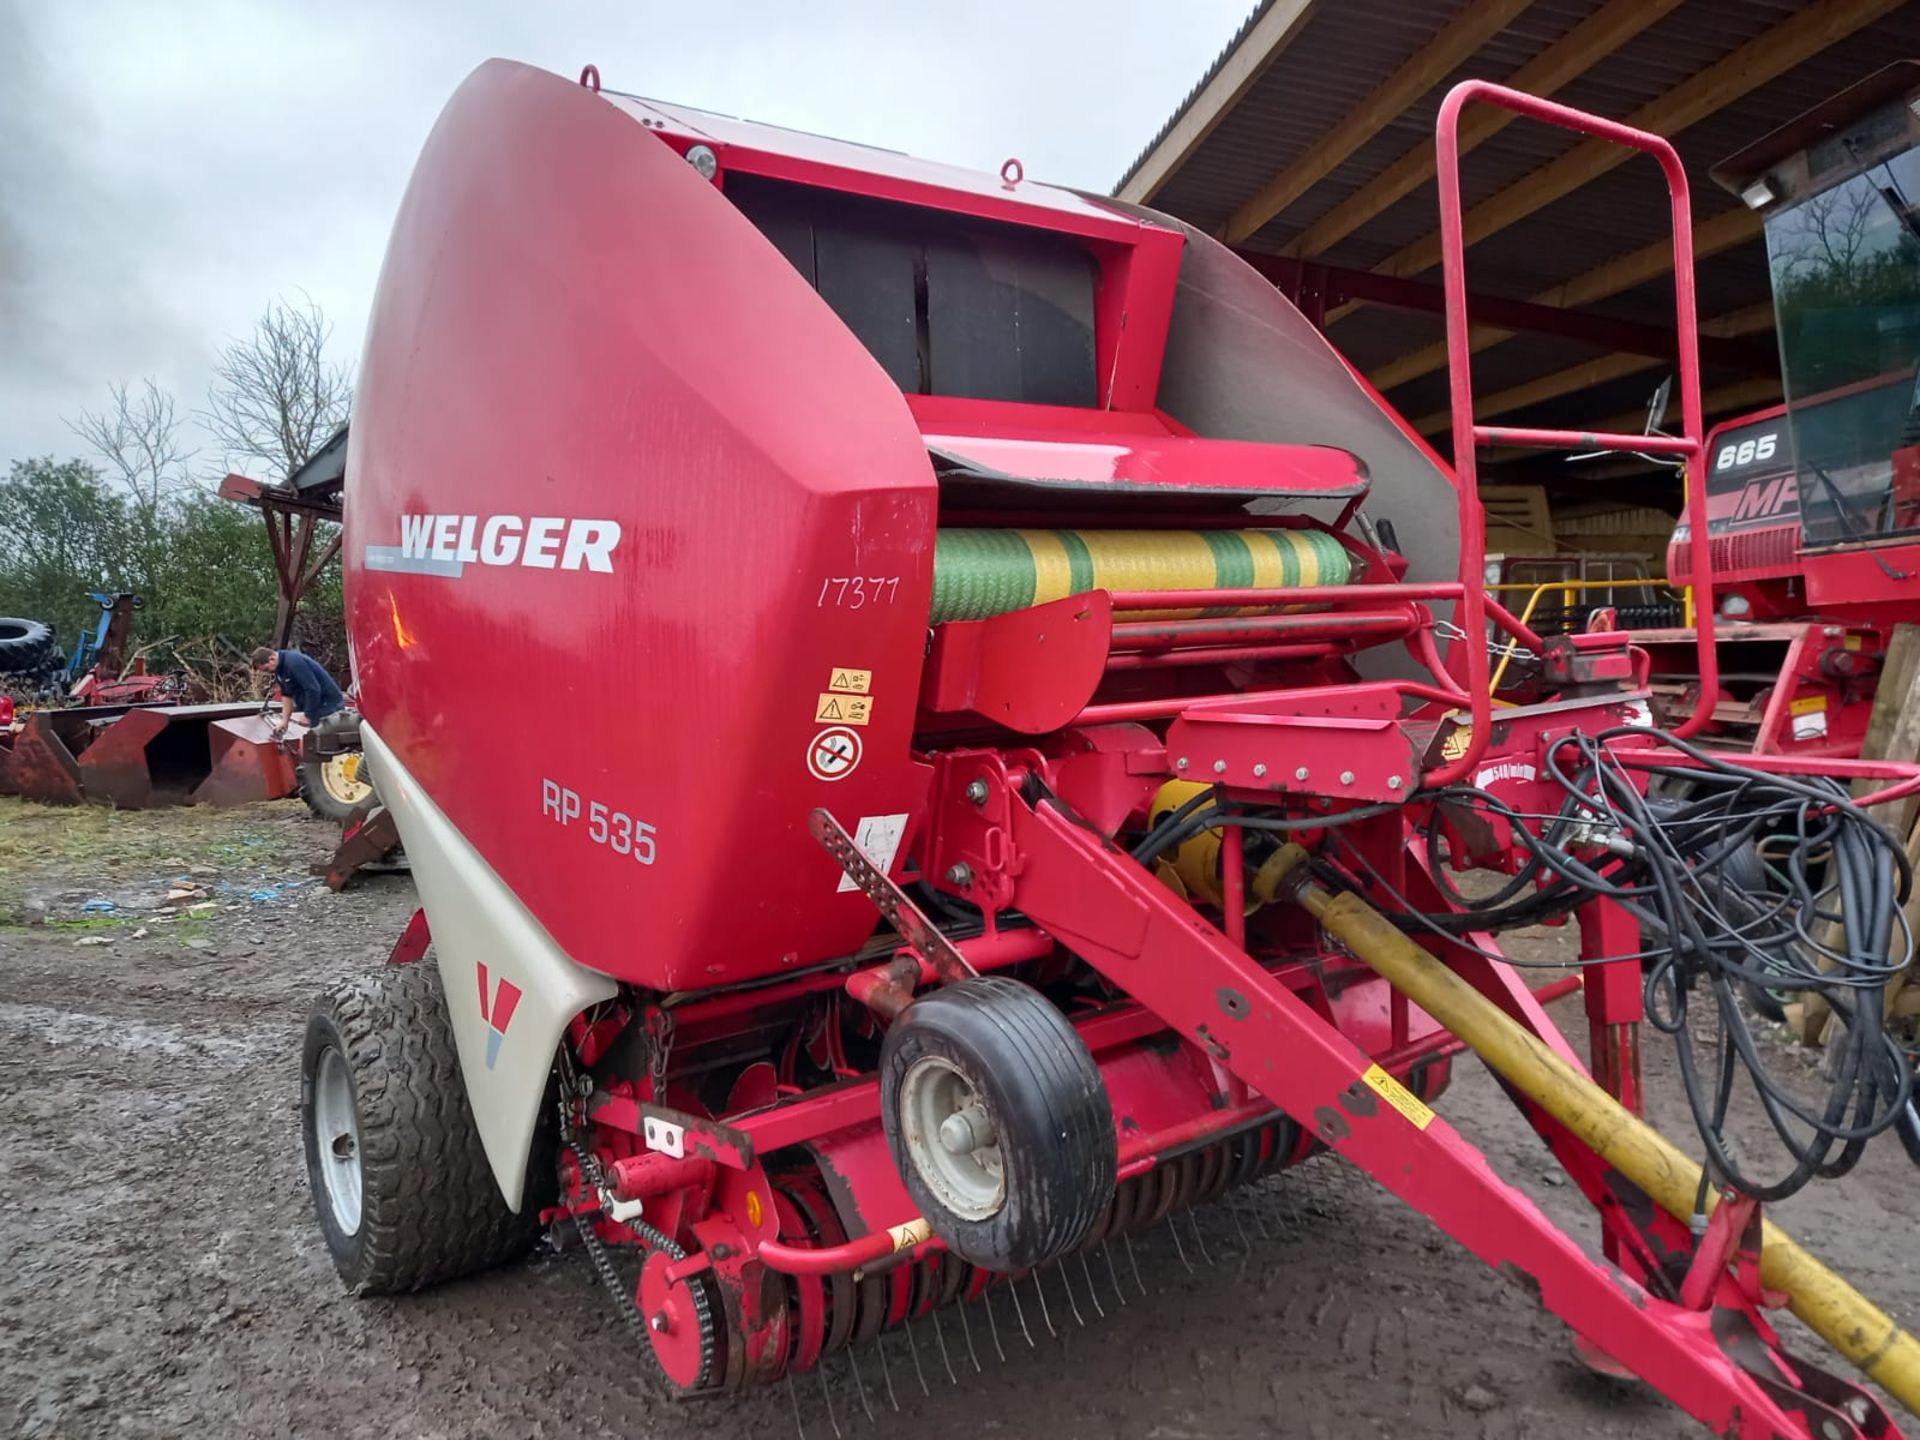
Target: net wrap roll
{"x":981,"y":573}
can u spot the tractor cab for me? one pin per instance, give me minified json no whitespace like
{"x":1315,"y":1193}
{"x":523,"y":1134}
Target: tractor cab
{"x":1840,"y":192}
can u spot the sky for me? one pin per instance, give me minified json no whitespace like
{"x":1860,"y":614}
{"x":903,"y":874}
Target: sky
{"x":168,"y":169}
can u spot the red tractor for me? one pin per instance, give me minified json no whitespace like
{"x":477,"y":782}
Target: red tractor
{"x":1004,"y":779}
{"x":1813,"y":507}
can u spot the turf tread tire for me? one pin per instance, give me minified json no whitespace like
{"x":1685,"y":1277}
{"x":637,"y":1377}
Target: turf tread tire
{"x":1048,"y":1099}
{"x":430,"y":1208}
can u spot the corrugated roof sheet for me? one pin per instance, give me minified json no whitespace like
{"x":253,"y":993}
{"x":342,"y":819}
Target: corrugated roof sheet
{"x":1344,"y":51}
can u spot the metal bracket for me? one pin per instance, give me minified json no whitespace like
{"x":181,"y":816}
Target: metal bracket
{"x":907,"y":919}
{"x":663,"y":1136}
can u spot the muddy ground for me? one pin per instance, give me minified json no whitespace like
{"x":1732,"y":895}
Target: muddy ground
{"x":161,"y":1275}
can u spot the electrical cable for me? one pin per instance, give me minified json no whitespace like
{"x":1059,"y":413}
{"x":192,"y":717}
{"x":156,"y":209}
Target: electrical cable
{"x":1738,"y":882}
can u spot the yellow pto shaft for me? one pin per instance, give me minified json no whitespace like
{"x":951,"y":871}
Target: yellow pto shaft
{"x":1831,"y":1308}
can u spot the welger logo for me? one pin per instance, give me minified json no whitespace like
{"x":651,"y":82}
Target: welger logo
{"x":447,"y":544}
{"x":497,"y":1010}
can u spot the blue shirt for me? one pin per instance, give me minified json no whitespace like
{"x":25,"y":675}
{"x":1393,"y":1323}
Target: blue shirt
{"x":309,"y":686}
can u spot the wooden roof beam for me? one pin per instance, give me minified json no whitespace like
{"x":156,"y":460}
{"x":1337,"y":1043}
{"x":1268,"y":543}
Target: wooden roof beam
{"x":1215,"y":99}
{"x":1764,"y":58}
{"x":1333,"y":284}
{"x":1622,"y":273}
{"x":1568,"y":58}
{"x":1746,"y":321}
{"x":1432,"y":63}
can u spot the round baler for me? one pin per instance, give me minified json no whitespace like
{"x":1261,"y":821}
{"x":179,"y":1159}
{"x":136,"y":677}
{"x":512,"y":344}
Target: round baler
{"x":973,"y":645}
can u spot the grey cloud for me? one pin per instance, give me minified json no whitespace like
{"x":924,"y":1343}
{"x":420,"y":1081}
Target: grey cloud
{"x":165,"y":170}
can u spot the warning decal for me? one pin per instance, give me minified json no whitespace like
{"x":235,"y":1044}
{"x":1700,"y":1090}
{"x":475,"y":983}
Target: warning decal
{"x":906,"y":1236}
{"x":878,"y":837}
{"x":1399,"y":1097}
{"x":850,"y":681}
{"x":1808,"y":717}
{"x":833,"y":753}
{"x":843,"y":709}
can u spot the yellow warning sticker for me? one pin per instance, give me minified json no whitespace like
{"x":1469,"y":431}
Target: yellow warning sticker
{"x":906,"y":1236}
{"x":1457,"y":742}
{"x":833,"y":709}
{"x":1808,"y":705}
{"x":1399,"y":1097}
{"x":1854,"y":642}
{"x":850,"y":681}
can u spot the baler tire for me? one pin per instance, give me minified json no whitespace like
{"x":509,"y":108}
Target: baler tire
{"x":430,"y":1210}
{"x":1048,"y":1102}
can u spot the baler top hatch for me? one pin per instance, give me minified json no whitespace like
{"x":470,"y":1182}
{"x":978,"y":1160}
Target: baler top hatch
{"x":986,"y":470}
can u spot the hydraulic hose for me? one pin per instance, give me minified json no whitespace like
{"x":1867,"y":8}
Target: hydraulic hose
{"x":1829,"y":1306}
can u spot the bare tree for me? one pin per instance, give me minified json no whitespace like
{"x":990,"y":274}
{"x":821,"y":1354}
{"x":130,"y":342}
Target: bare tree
{"x":275,"y":397}
{"x":137,"y":435}
{"x":1829,"y":235}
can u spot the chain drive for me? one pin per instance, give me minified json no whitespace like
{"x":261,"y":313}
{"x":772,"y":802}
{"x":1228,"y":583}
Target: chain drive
{"x":656,"y":1239}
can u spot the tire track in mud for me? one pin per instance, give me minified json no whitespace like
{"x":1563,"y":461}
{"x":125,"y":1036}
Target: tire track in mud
{"x":161,"y":1273}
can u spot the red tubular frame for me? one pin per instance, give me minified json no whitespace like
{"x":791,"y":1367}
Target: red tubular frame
{"x":1467,"y":436}
{"x":1138,"y":1155}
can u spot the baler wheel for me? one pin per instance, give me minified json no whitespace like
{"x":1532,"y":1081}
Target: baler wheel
{"x":401,"y":1184}
{"x":999,"y":1122}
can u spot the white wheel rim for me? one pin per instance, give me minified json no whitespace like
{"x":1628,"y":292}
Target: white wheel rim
{"x":341,"y":775}
{"x":337,"y":1140}
{"x":971,"y":1182}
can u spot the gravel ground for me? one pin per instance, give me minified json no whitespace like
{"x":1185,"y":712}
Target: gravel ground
{"x":161,"y":1274}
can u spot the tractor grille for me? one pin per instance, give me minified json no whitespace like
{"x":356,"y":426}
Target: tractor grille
{"x":1771,"y":548}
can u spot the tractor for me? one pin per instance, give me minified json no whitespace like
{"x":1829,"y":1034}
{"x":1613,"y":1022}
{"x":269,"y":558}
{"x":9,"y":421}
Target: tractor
{"x":1813,"y":506}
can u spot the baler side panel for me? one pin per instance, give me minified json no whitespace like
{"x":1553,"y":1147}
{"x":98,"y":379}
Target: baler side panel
{"x":510,"y":991}
{"x":573,"y":324}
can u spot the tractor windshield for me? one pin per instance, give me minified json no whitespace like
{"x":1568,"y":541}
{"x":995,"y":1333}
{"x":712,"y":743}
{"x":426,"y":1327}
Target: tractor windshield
{"x":1846,"y":282}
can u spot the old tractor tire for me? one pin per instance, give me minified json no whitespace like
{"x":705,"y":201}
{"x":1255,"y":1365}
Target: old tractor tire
{"x":400,"y":1181}
{"x":24,"y":645}
{"x":999,"y":1122}
{"x":332,"y":785}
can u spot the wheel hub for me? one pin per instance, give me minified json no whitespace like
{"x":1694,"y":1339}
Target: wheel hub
{"x":952,"y":1139}
{"x":341,"y":775}
{"x":338,"y":1130}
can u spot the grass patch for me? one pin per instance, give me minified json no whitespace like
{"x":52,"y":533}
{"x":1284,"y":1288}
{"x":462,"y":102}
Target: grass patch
{"x":42,"y":846}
